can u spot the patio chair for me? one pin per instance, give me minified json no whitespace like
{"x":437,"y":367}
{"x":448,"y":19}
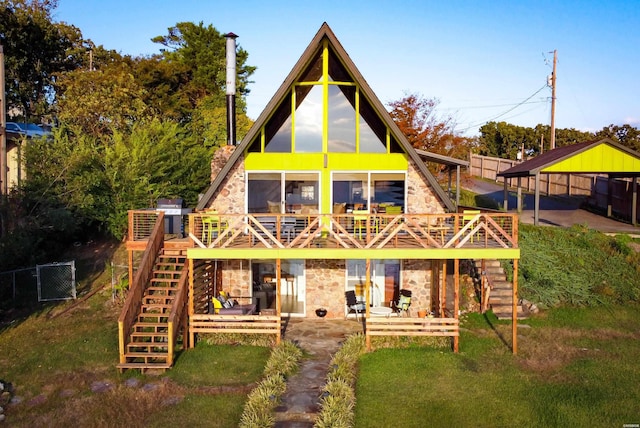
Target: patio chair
{"x":353,"y":304}
{"x":403,"y":303}
{"x":468,"y":216}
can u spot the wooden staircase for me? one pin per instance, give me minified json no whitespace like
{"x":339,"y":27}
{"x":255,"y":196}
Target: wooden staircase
{"x":149,"y":341}
{"x":499,"y":289}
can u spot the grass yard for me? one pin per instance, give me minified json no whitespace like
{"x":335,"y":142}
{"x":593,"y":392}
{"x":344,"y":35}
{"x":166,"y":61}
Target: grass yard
{"x":575,"y":368}
{"x":56,"y":356}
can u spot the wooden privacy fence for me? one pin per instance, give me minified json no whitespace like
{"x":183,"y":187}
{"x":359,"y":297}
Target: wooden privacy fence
{"x":400,"y":326}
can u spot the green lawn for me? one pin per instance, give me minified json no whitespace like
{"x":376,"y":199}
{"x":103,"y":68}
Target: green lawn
{"x":575,"y":367}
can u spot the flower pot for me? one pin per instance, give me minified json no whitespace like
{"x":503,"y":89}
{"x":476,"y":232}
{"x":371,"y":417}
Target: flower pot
{"x":422,"y":313}
{"x":321,"y":312}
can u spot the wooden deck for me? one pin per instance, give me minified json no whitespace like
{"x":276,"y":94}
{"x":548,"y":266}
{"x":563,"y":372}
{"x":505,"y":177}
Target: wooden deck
{"x":341,"y":231}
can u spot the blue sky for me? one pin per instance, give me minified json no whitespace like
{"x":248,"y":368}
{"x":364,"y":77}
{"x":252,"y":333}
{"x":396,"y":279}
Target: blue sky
{"x":481,"y":59}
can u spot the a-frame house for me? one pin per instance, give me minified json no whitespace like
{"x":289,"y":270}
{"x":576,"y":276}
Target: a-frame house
{"x":323,"y":197}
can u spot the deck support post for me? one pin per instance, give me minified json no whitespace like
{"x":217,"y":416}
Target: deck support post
{"x":536,"y":204}
{"x":634,"y":201}
{"x":514,"y":322}
{"x":278,"y":288}
{"x":191,"y":310}
{"x":443,"y":300}
{"x":456,"y":298}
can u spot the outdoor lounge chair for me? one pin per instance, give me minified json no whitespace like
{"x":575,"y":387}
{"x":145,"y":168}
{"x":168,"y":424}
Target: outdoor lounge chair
{"x":353,"y":304}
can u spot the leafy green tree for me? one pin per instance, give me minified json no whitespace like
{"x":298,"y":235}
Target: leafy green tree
{"x":99,"y":102}
{"x":626,"y":135}
{"x":36,"y":49}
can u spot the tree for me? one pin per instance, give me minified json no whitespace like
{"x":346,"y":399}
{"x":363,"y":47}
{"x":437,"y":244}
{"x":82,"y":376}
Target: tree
{"x":501,"y":139}
{"x":201,"y":51}
{"x":626,"y":135}
{"x":102,"y":101}
{"x":417,"y":118}
{"x":36,"y":49}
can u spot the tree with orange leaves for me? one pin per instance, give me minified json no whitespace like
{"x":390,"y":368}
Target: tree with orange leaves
{"x":416,"y":117}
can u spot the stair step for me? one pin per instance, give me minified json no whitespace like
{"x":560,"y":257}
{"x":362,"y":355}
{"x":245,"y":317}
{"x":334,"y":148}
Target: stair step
{"x":146,"y":355}
{"x":150,"y":327}
{"x":143,"y":366}
{"x":164,"y":280}
{"x":148,"y":347}
{"x":160,"y":289}
{"x":500,"y":292}
{"x":153,"y":317}
{"x":149,"y":335}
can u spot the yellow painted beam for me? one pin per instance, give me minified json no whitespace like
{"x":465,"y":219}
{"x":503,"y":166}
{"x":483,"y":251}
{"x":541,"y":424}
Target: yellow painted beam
{"x":353,"y":253}
{"x":335,"y":161}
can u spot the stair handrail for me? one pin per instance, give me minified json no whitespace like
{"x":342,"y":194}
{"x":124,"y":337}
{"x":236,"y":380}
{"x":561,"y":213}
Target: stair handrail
{"x":139,"y":284}
{"x":178,"y":313}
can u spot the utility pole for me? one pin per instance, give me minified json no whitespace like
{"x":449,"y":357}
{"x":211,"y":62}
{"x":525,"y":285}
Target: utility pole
{"x":4,"y":187}
{"x":553,"y":101}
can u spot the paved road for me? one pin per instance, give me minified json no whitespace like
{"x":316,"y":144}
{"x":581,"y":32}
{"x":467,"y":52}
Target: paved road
{"x":554,"y":211}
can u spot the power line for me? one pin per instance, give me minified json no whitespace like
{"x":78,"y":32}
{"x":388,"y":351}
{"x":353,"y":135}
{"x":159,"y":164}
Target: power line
{"x":505,"y":112}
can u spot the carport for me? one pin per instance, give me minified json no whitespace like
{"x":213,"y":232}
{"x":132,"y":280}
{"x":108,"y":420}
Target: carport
{"x":592,"y":157}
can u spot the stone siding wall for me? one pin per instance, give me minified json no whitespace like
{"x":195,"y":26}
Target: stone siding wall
{"x":236,"y":278}
{"x":325,"y":282}
{"x":420,"y":196}
{"x":416,"y":276}
{"x":230,"y":197}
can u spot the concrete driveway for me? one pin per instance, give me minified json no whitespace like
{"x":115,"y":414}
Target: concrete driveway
{"x":554,"y":211}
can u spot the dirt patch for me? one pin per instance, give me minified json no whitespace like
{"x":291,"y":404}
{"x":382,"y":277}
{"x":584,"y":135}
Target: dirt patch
{"x":546,"y":351}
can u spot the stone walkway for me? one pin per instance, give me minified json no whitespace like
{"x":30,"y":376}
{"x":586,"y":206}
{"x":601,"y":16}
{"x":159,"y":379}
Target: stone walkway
{"x":320,"y":339}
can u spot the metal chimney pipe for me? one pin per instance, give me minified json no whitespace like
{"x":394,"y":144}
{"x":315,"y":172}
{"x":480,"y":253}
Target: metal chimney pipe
{"x":231,"y":88}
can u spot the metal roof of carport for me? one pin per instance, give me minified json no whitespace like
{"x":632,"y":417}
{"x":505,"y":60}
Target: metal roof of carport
{"x":592,"y":157}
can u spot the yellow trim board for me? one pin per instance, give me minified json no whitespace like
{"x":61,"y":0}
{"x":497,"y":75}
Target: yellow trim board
{"x":352,"y":253}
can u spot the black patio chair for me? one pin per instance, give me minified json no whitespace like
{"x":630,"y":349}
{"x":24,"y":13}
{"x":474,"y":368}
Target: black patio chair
{"x":353,"y":304}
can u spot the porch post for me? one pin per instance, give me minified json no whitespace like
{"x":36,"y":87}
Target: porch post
{"x":278,"y":288}
{"x":505,"y":195}
{"x":456,"y":298}
{"x":190,"y":310}
{"x":457,"y":186}
{"x":514,"y":319}
{"x":367,"y":285}
{"x":536,"y":207}
{"x":519,"y":194}
{"x":609,"y":196}
{"x":443,"y":300}
{"x":634,"y":201}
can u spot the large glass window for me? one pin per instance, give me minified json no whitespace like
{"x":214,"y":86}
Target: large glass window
{"x":303,"y":124}
{"x":264,"y":192}
{"x":342,"y":120}
{"x":369,"y":191}
{"x":276,"y":192}
{"x":308,"y":119}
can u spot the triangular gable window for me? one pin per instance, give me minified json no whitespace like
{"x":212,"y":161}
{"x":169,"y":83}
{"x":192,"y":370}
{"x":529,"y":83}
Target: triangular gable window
{"x":330,"y":114}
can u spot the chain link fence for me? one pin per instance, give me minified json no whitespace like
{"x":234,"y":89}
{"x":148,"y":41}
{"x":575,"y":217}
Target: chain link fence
{"x":42,"y":283}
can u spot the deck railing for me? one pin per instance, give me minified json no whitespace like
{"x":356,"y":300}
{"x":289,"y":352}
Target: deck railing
{"x":400,"y":326}
{"x":140,"y":280}
{"x":482,"y":230}
{"x":141,"y":223}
